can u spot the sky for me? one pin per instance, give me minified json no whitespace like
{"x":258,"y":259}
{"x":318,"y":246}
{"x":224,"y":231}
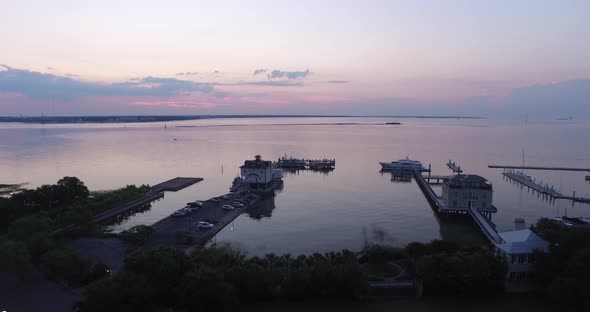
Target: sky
{"x":484,"y":58}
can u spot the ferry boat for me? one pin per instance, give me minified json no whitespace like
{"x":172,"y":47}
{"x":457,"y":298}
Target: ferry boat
{"x":406,"y":164}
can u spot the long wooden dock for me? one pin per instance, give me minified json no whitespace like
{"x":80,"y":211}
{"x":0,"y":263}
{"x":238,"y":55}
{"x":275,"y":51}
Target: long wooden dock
{"x":155,"y":193}
{"x":532,"y":184}
{"x":484,"y":223}
{"x":138,"y":202}
{"x":175,"y":184}
{"x":538,"y":168}
{"x":543,"y":189}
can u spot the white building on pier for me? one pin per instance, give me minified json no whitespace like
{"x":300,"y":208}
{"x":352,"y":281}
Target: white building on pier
{"x":260,"y":174}
{"x":466,"y":191}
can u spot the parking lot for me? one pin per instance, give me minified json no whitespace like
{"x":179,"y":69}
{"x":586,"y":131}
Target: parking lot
{"x":211,"y":211}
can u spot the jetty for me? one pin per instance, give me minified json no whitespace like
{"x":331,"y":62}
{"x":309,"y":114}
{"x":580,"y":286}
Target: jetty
{"x":175,"y":184}
{"x":153,"y":194}
{"x":166,"y":230}
{"x":454,"y":167}
{"x":538,"y":168}
{"x":541,"y":188}
{"x":292,"y":163}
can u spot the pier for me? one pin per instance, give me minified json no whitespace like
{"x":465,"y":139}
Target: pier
{"x":538,"y":168}
{"x":454,"y":167}
{"x":138,"y":202}
{"x":482,"y":217}
{"x":156,"y":192}
{"x":324,"y":164}
{"x":435,"y":179}
{"x":438,"y":204}
{"x":166,"y":230}
{"x":546,"y":190}
{"x":175,"y":184}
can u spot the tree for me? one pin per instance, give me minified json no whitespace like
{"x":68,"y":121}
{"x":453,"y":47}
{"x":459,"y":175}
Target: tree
{"x":67,"y":264}
{"x":34,"y":231}
{"x":138,"y":234}
{"x":14,"y":258}
{"x":70,"y":189}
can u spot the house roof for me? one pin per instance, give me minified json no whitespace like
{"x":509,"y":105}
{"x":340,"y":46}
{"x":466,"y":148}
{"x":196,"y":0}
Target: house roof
{"x":467,"y":178}
{"x":257,"y":163}
{"x":522,"y":241}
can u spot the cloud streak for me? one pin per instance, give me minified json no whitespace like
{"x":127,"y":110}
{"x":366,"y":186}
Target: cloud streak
{"x":42,"y":86}
{"x":259,"y":72}
{"x":291,"y":75}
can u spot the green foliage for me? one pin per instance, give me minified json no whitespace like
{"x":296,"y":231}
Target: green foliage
{"x":66,"y":264}
{"x":137,"y":235}
{"x":461,"y":274}
{"x":416,"y":250}
{"x":34,"y":231}
{"x":445,"y":269}
{"x":222,"y":277}
{"x":14,"y":257}
{"x":561,"y":272}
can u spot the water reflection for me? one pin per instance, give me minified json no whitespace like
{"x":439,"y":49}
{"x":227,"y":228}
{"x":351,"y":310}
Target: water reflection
{"x":262,"y":208}
{"x":397,"y":176}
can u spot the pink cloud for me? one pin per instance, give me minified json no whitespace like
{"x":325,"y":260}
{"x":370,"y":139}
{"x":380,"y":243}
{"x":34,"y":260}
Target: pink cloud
{"x":264,"y":101}
{"x":325,"y":99}
{"x":179,"y":104}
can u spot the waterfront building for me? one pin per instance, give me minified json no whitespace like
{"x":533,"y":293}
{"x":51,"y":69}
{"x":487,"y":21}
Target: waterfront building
{"x":517,"y":249}
{"x":258,"y":174}
{"x":467,"y":191}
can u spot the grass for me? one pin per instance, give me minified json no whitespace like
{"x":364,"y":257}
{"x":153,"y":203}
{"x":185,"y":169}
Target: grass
{"x":102,"y":201}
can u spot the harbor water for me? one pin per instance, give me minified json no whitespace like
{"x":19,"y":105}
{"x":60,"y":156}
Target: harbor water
{"x":314,"y":211}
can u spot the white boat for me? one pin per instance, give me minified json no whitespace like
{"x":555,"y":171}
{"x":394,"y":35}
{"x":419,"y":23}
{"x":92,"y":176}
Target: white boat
{"x":402,"y":165}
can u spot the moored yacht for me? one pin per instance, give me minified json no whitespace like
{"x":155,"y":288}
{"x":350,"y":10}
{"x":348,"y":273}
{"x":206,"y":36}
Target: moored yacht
{"x":406,"y":164}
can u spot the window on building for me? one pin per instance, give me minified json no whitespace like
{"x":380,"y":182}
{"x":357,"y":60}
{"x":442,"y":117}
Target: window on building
{"x":521,"y":259}
{"x":512,"y":258}
{"x":454,"y":203}
{"x":512,"y":275}
{"x":483,"y":205}
{"x":531,"y":258}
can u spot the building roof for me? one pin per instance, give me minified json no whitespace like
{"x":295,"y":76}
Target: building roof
{"x":522,"y":241}
{"x":257,"y":163}
{"x":467,"y":178}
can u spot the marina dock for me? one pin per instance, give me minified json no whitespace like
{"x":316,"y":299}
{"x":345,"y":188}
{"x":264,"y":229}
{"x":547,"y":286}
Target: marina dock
{"x":546,"y":190}
{"x":324,"y":164}
{"x":142,"y":200}
{"x":175,"y":184}
{"x":482,"y":217}
{"x":538,"y":168}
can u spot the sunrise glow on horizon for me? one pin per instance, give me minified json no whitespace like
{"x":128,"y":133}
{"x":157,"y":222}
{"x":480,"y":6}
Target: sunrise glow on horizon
{"x":292,"y":57}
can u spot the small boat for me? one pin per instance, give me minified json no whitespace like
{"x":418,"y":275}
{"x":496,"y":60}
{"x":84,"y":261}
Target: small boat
{"x":588,"y":178}
{"x":519,"y":220}
{"x":406,"y":164}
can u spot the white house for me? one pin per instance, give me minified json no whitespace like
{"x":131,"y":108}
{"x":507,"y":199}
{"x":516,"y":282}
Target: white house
{"x":467,"y":191}
{"x":517,"y":248}
{"x":257,"y":173}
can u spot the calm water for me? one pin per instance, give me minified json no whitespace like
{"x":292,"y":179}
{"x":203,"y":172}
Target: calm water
{"x":314,"y":212}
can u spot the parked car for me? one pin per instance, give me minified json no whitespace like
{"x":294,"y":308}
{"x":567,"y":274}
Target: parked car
{"x":242,"y":201}
{"x":191,"y":208}
{"x":179,"y":213}
{"x":205,"y":225}
{"x":225,"y":196}
{"x":215,"y":199}
{"x":238,"y":204}
{"x":228,"y":207}
{"x":194,"y":204}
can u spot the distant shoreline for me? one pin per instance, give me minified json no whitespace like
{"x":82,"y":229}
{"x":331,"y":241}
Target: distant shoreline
{"x":161,"y":118}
